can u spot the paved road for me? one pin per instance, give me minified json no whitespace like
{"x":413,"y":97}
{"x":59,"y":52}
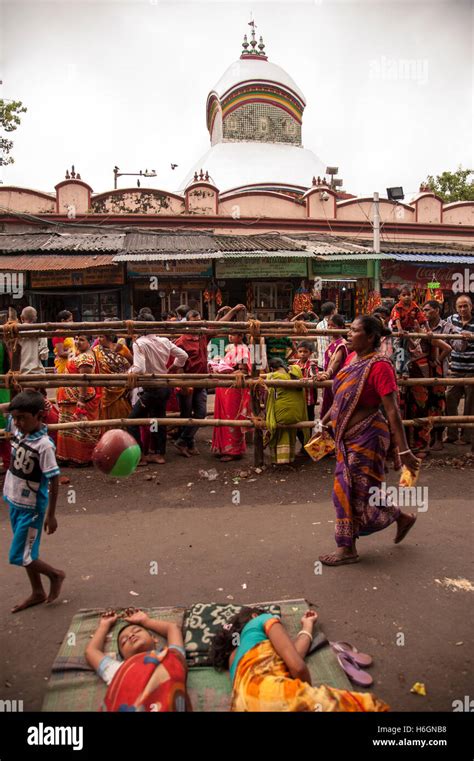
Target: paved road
{"x":208,"y":548}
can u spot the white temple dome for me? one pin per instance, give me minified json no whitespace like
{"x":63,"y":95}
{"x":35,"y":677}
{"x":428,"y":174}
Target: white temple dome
{"x":254,"y":117}
{"x":254,"y":69}
{"x":270,"y":166}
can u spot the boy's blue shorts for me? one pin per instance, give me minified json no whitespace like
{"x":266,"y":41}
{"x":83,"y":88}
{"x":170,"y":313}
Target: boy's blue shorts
{"x":27,"y":526}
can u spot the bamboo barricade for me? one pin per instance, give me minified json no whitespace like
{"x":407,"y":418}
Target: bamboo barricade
{"x":191,"y":380}
{"x":132,"y":328}
{"x":448,"y":421}
{"x":12,"y":331}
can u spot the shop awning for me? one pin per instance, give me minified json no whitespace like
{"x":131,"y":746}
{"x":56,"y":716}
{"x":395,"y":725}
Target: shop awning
{"x":40,"y":263}
{"x":403,"y":251}
{"x":61,"y":241}
{"x":435,"y":258}
{"x":219,"y":255}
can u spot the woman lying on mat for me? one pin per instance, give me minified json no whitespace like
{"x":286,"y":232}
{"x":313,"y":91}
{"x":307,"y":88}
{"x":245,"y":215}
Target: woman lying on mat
{"x":144,"y":677}
{"x":268,"y":671}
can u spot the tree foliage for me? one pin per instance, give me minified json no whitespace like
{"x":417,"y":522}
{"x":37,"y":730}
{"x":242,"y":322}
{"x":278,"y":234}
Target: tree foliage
{"x":453,"y":186}
{"x":10,"y":111}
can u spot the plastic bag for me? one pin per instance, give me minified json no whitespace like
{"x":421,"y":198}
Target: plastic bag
{"x":407,"y":478}
{"x":320,"y":445}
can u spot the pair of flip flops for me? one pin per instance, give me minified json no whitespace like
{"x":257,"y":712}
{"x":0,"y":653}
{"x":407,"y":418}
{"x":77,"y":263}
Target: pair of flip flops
{"x":353,"y":662}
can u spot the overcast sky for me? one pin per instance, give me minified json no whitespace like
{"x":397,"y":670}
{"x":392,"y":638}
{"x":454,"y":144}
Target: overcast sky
{"x":388,"y":84}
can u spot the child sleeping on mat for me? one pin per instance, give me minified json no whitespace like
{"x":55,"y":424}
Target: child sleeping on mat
{"x":268,"y":671}
{"x":144,"y":677}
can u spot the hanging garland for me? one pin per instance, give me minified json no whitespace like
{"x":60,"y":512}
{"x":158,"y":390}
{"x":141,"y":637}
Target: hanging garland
{"x":374,"y":300}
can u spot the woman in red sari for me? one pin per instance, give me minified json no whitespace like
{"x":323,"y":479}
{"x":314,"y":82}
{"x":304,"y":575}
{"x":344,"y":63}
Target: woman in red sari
{"x":232,"y":403}
{"x":75,"y":445}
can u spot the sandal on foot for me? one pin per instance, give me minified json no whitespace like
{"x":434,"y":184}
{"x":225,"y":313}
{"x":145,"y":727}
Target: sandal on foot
{"x":341,"y":561}
{"x":353,"y":671}
{"x":400,"y":537}
{"x":362,"y":659}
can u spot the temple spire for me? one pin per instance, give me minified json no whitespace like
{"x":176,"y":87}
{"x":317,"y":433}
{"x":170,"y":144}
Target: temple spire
{"x":253,"y":49}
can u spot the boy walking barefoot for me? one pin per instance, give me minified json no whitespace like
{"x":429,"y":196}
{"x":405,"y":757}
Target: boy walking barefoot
{"x":33,"y":468}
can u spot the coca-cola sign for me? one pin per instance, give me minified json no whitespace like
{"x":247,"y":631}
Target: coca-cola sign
{"x":397,"y":273}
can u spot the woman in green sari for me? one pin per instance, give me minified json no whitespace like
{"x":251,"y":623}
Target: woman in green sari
{"x":284,"y":406}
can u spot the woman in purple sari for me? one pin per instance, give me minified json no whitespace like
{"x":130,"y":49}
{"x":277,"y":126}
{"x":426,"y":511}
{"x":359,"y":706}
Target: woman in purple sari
{"x":334,"y":358}
{"x":362,"y":437}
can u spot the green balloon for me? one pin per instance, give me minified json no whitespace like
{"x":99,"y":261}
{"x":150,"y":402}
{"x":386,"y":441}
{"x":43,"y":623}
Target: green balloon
{"x":127,"y":462}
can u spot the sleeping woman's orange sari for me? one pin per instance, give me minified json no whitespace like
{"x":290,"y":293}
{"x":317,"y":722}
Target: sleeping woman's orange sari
{"x":263,"y":683}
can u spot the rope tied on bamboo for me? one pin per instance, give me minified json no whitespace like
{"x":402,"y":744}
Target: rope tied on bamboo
{"x":427,"y":424}
{"x":259,"y":386}
{"x":132,"y":381}
{"x":129,"y":324}
{"x":11,"y":380}
{"x":239,"y":380}
{"x":259,"y":422}
{"x":254,"y":328}
{"x":11,"y":334}
{"x":300,"y":327}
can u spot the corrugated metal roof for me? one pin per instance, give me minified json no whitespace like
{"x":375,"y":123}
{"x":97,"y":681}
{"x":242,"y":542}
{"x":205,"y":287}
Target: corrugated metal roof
{"x":151,"y":256}
{"x":187,"y":257}
{"x":28,"y":263}
{"x":351,"y":257}
{"x":447,"y":249}
{"x":435,"y":257}
{"x":341,"y":244}
{"x":337,"y":243}
{"x":137,"y":243}
{"x":429,"y":258}
{"x":140,"y":242}
{"x":56,"y":241}
{"x":161,"y":246}
{"x":260,"y":243}
{"x":85,"y":242}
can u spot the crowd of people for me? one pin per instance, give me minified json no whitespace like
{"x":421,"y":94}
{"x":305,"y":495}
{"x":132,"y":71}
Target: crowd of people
{"x":282,"y":358}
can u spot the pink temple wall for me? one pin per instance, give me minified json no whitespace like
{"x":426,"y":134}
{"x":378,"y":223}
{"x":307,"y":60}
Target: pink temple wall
{"x":459,"y":213}
{"x":27,"y":201}
{"x":137,"y":201}
{"x":203,"y":199}
{"x":358,"y":210}
{"x":261,"y":205}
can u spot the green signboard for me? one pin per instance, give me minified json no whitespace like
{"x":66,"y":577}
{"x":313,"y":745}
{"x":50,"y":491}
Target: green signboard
{"x":347,"y":269}
{"x":255,"y":268}
{"x":172,"y":268}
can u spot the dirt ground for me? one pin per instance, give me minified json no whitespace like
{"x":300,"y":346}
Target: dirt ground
{"x":248,"y":537}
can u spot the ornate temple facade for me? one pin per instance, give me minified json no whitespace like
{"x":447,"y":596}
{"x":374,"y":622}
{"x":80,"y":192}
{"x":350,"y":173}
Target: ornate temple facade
{"x":270,"y":217}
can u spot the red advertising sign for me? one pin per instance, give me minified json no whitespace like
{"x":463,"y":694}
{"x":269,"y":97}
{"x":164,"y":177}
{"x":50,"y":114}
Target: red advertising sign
{"x":397,"y":273}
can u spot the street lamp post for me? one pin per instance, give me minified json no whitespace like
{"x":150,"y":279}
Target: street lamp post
{"x":376,"y":244}
{"x":118,"y":173}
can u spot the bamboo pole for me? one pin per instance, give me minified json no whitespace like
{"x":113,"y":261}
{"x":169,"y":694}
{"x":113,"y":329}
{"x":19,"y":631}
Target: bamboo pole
{"x":466,"y":421}
{"x":310,"y":336}
{"x":444,"y":419}
{"x":214,"y":327}
{"x":197,"y":380}
{"x":258,"y":444}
